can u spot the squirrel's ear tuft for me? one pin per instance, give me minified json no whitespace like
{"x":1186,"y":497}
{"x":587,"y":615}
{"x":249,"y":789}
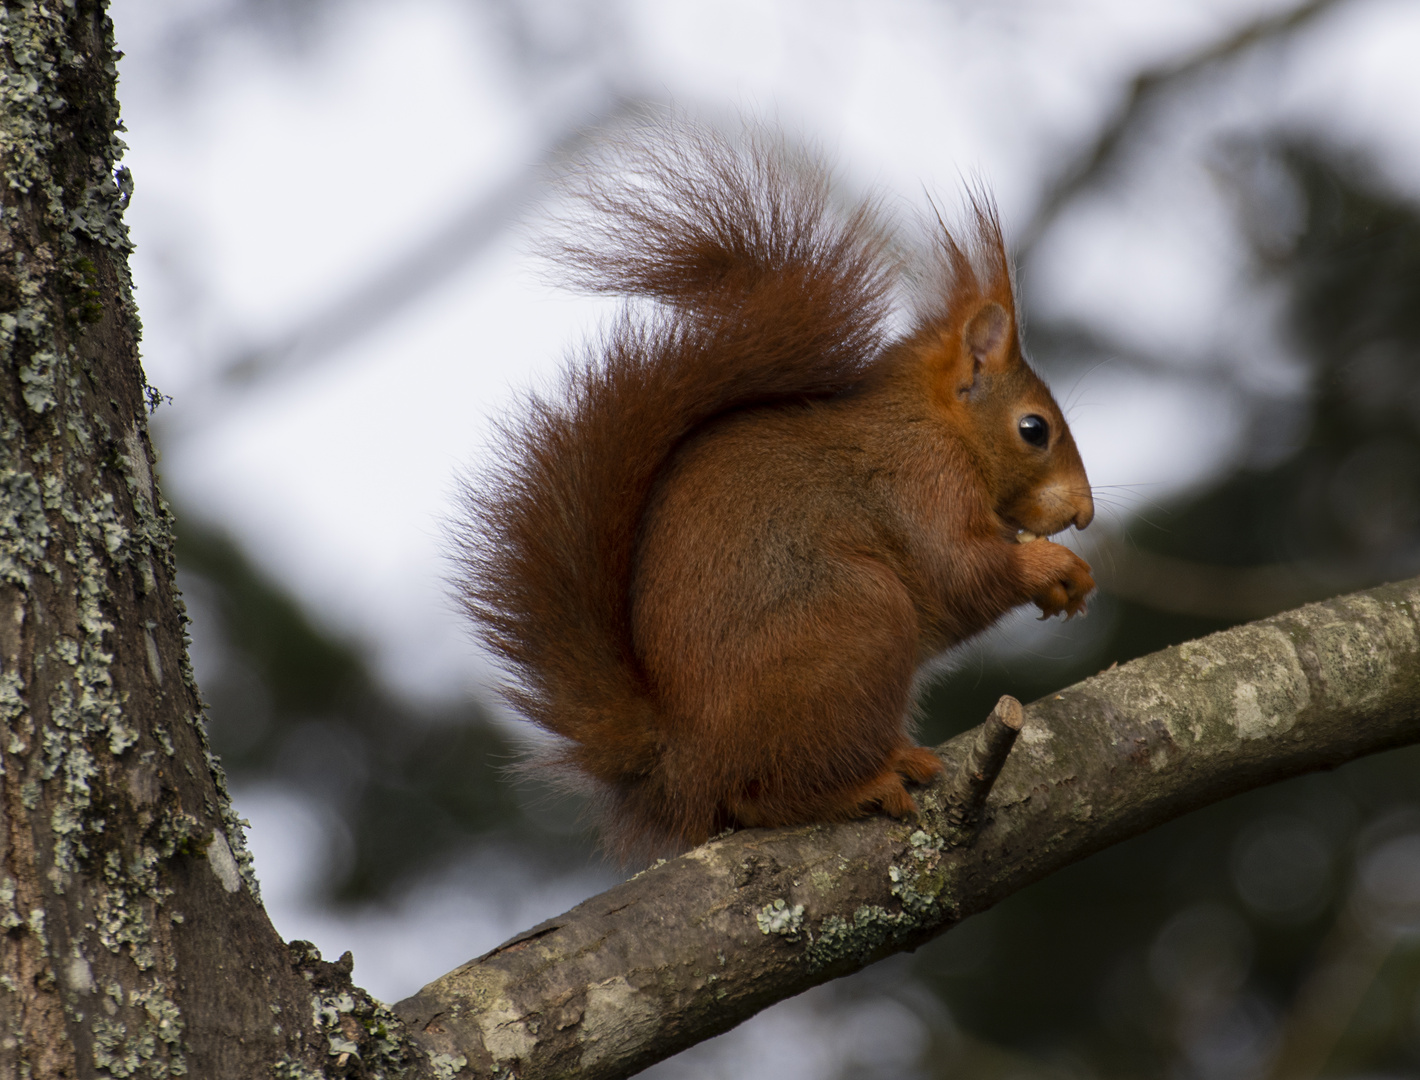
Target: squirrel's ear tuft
{"x":987,"y":336}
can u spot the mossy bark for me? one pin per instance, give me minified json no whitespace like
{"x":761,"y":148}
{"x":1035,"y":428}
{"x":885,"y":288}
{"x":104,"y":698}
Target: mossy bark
{"x":132,"y":939}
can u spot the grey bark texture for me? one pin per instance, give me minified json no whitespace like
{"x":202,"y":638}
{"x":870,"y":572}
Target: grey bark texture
{"x":132,"y":939}
{"x":694,"y":946}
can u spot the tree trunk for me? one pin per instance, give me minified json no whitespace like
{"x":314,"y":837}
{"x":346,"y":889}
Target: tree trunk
{"x":134,"y":942}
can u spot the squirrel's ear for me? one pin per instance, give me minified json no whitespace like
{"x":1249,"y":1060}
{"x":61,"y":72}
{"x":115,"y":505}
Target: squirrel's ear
{"x":986,"y":336}
{"x":986,"y":346}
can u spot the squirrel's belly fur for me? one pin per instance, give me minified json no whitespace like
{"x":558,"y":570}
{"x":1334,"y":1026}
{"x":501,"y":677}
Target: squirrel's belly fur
{"x":715,"y":562}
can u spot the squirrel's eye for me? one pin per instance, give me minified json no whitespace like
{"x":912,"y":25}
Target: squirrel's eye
{"x":1035,"y":430}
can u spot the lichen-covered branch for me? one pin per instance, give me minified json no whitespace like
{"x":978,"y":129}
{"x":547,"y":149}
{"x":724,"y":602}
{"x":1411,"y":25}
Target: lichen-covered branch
{"x":694,"y":946}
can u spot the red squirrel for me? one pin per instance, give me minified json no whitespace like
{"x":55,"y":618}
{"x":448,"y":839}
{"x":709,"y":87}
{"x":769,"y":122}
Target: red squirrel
{"x":714,"y":563}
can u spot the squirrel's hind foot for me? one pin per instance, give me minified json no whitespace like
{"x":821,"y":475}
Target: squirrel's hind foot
{"x":916,"y":763}
{"x":887,"y":791}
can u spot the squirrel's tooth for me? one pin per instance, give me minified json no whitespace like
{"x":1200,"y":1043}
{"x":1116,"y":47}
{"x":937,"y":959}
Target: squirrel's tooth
{"x":1025,"y":537}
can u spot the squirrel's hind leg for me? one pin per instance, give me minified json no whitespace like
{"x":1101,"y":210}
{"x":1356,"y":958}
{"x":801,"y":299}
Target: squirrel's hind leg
{"x":829,"y":742}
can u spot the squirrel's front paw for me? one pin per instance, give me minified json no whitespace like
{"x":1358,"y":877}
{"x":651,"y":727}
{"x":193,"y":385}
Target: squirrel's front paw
{"x":1056,"y":578}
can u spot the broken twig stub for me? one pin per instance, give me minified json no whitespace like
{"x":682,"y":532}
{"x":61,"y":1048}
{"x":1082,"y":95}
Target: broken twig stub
{"x":967,"y":792}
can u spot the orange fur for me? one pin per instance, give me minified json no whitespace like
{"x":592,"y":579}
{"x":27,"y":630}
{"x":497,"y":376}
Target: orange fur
{"x":714,"y":564}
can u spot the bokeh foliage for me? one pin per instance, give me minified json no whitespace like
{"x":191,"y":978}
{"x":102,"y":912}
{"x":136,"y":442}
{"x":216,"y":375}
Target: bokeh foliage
{"x":292,"y":704}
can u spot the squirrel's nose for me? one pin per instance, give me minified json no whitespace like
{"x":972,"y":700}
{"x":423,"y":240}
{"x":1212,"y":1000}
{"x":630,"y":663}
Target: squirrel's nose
{"x":1085,"y":510}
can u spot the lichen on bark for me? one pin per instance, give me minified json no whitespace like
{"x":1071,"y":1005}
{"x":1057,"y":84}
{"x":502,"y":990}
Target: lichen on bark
{"x":131,"y":937}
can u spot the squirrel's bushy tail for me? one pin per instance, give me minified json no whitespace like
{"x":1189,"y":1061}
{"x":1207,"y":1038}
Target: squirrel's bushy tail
{"x":761,"y":289}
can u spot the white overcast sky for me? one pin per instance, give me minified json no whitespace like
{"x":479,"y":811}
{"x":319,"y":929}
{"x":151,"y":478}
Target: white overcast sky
{"x":271,"y":179}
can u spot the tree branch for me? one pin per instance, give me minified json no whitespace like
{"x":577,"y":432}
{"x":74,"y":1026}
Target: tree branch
{"x":694,"y":946}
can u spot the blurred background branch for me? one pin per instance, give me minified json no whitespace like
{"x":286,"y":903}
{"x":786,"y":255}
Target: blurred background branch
{"x":1091,"y":165}
{"x":1184,"y":587}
